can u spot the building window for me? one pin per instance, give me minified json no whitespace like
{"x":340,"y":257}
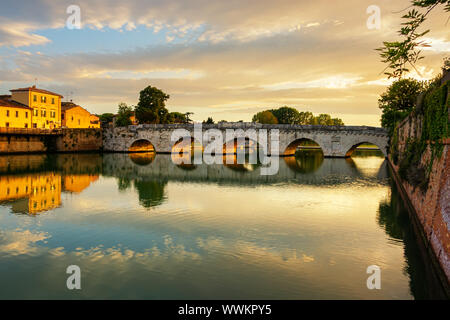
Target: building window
{"x":53,"y":100}
{"x":43,"y":126}
{"x":43,"y":99}
{"x":35,"y":112}
{"x":62,"y":116}
{"x":43,"y":113}
{"x":17,"y":114}
{"x":35,"y":125}
{"x":78,"y":121}
{"x":34,"y":98}
{"x":26,"y":114}
{"x":72,"y":118}
{"x":7,"y":113}
{"x":52,"y":114}
{"x":7,"y":124}
{"x":26,"y":125}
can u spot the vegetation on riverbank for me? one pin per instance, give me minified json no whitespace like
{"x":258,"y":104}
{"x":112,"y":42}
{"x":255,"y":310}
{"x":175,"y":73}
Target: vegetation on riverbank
{"x":424,"y":103}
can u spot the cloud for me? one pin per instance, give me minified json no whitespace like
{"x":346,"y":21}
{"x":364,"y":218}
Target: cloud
{"x":19,"y":242}
{"x":18,"y":35}
{"x":214,"y":57}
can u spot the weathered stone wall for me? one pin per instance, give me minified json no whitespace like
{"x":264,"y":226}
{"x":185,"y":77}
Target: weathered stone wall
{"x":64,"y":140}
{"x":79,"y":140}
{"x":433,"y":205}
{"x":22,"y":144}
{"x":335,"y":141}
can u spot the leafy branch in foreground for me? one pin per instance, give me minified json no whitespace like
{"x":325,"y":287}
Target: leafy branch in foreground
{"x":400,"y":55}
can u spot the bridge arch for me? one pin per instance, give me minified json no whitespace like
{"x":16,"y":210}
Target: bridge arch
{"x":247,"y":144}
{"x":186,"y":145}
{"x":141,"y":145}
{"x":294,"y":145}
{"x":353,"y":148}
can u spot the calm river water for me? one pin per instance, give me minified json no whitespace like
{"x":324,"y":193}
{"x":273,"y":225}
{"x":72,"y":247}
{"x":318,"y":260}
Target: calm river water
{"x":140,"y":227}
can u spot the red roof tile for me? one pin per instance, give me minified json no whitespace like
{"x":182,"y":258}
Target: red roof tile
{"x":34,"y":89}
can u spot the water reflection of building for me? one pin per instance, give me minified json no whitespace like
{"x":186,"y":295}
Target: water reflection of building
{"x":35,"y":193}
{"x":77,"y":183}
{"x":32,"y":193}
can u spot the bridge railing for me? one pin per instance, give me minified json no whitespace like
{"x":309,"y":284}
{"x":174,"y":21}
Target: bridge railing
{"x":251,"y":125}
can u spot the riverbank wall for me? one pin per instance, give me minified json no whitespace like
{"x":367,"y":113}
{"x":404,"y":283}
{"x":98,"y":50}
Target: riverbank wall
{"x":16,"y":141}
{"x":422,"y":168}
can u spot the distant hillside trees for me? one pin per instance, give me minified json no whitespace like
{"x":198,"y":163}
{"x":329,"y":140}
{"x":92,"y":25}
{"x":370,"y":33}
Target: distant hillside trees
{"x":288,"y":115}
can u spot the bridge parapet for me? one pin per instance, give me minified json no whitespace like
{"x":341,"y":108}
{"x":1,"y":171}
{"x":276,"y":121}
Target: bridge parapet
{"x":335,"y":141}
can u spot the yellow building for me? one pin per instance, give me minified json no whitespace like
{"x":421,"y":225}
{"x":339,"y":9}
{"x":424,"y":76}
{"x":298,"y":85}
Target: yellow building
{"x":46,"y":106}
{"x":14,"y":114}
{"x":74,"y":116}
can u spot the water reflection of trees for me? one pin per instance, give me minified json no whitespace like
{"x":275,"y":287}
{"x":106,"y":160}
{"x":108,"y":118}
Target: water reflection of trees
{"x":305,"y":161}
{"x":395,"y":220}
{"x":151,"y":193}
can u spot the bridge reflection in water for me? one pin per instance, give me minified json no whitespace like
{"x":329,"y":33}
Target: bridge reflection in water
{"x":138,"y":200}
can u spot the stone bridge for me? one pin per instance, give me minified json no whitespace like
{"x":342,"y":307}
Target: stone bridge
{"x":335,"y":141}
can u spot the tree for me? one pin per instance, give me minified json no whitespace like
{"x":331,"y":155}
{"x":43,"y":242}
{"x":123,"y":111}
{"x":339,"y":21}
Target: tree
{"x":286,"y":115}
{"x":106,"y":117}
{"x":123,"y":115}
{"x":265,"y":117}
{"x":337,"y":122}
{"x":305,"y":118}
{"x":323,"y":120}
{"x":398,"y":55}
{"x":209,"y":121}
{"x":398,"y":101}
{"x":152,"y":106}
{"x":177,"y":117}
{"x":187,"y":115}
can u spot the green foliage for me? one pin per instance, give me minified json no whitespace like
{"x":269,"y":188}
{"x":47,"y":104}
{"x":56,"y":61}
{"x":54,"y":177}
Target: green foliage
{"x":326,"y":120}
{"x":152,"y":106}
{"x":398,"y":101}
{"x":177,"y":117}
{"x":123,"y":115}
{"x":288,"y":115}
{"x":410,"y":168}
{"x":394,"y":145}
{"x":305,"y":117}
{"x":399,"y":55}
{"x":435,"y":120}
{"x":265,"y":117}
{"x":209,"y":121}
{"x":434,"y":131}
{"x":106,"y":117}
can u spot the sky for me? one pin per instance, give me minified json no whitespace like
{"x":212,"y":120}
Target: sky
{"x":224,"y":59}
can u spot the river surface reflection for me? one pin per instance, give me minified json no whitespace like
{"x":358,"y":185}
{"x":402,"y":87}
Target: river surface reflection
{"x":140,"y":226}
